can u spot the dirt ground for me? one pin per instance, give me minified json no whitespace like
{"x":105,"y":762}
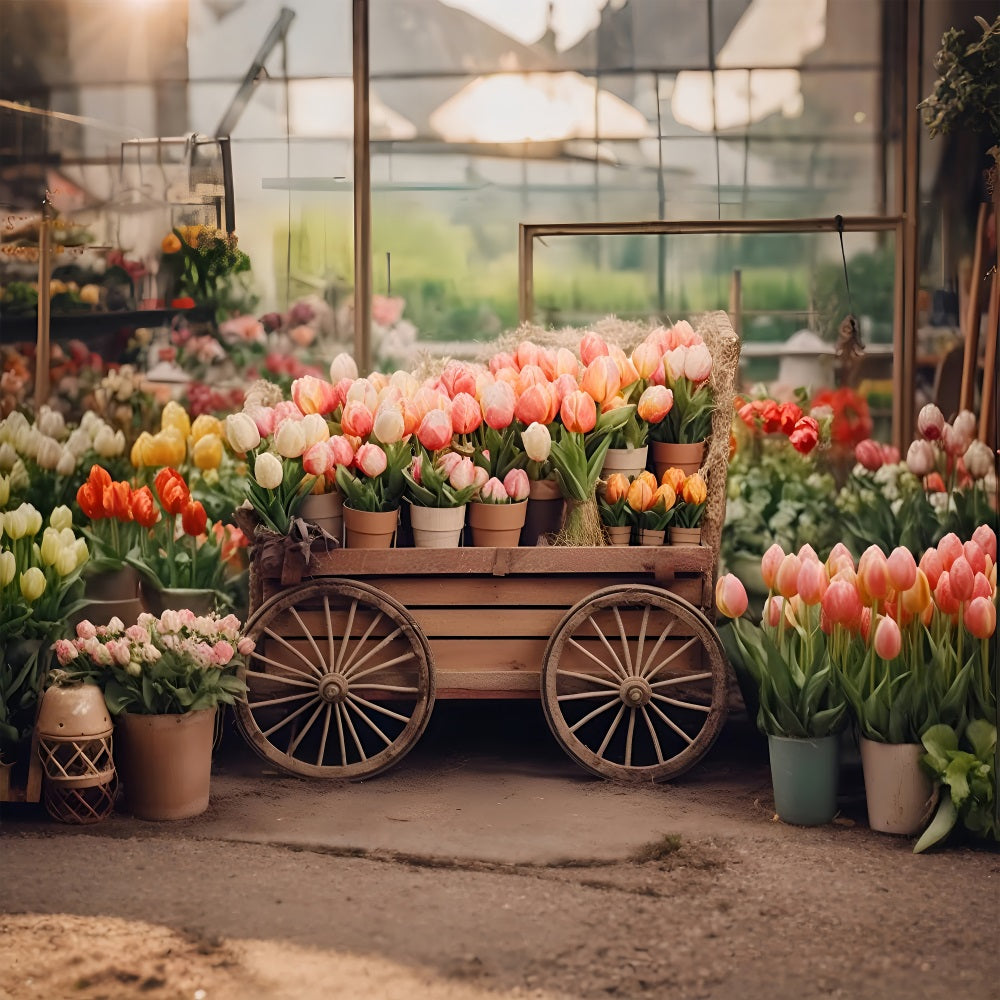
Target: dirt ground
{"x":711,"y":898}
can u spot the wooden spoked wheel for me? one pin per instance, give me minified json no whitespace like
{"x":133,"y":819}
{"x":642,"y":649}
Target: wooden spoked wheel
{"x":634,"y":684}
{"x":340,"y":683}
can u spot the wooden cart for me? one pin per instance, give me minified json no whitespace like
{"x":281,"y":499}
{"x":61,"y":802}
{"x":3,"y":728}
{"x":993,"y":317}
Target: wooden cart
{"x":354,"y":646}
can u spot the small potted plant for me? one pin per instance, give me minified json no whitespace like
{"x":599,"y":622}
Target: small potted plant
{"x":497,"y":511}
{"x":651,"y":507}
{"x":692,"y":494}
{"x":616,"y":515}
{"x":438,"y":487}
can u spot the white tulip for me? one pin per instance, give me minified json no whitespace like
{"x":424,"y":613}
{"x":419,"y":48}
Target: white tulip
{"x":19,"y":478}
{"x":82,"y":551}
{"x":48,"y":452}
{"x":51,"y":422}
{"x":389,"y":424}
{"x":405,"y":382}
{"x":965,"y":425}
{"x":34,"y":518}
{"x":11,"y":424}
{"x":267,"y":471}
{"x":980,"y":459}
{"x":8,"y":456}
{"x":26,"y":441}
{"x":79,"y":442}
{"x":61,"y":517}
{"x":241,"y":432}
{"x":107,"y":443}
{"x":67,"y":463}
{"x":50,"y":546}
{"x":90,"y":422}
{"x":343,"y":366}
{"x":8,"y":567}
{"x":290,"y":439}
{"x":4,"y":490}
{"x":364,"y":392}
{"x":15,"y":523}
{"x":315,"y":428}
{"x":537,"y":442}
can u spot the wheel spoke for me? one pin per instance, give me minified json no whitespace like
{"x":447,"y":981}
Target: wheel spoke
{"x":294,"y":745}
{"x":683,"y":704}
{"x":322,"y":739}
{"x":345,"y":667}
{"x":340,"y":735}
{"x":624,"y":639}
{"x":350,"y":726}
{"x":320,"y":662}
{"x":402,"y":658}
{"x":378,"y":708}
{"x":597,"y":711}
{"x":283,"y":667}
{"x":608,"y":734}
{"x":652,"y":733}
{"x":288,"y":718}
{"x":346,"y":641}
{"x":642,"y":638}
{"x":332,"y":659}
{"x":371,"y":725}
{"x":398,"y":688}
{"x":628,"y":738}
{"x":284,"y":642}
{"x":576,"y":696}
{"x":681,"y":680}
{"x":656,"y":646}
{"x":591,"y":678}
{"x":281,"y":701}
{"x":353,"y":668}
{"x":586,"y":652}
{"x":673,"y":725}
{"x":279,"y":678}
{"x":607,"y":645}
{"x":673,"y":656}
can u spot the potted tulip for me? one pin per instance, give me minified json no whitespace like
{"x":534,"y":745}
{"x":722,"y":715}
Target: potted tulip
{"x":497,"y":511}
{"x":786,"y":660}
{"x":651,"y":507}
{"x":616,"y":514}
{"x":545,"y":503}
{"x":438,"y":489}
{"x":692,"y":494}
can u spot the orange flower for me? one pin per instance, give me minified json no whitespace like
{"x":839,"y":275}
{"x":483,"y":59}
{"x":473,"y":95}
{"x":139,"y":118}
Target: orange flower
{"x":578,"y":412}
{"x":118,"y":501}
{"x":640,"y":495}
{"x":91,"y":500}
{"x":194,"y":518}
{"x":664,"y":496}
{"x":616,"y":487}
{"x":144,"y":510}
{"x":675,"y":477}
{"x":170,"y":243}
{"x":172,"y":490}
{"x":694,"y":489}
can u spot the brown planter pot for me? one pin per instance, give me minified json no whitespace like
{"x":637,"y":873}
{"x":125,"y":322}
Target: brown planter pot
{"x":367,"y":529}
{"x":649,"y":536}
{"x":101,"y":612}
{"x":669,"y":455}
{"x":497,"y":524}
{"x":544,"y":513}
{"x":325,"y":510}
{"x":685,"y":536}
{"x":618,"y":534}
{"x":166,"y":763}
{"x":112,"y":585}
{"x":156,"y":601}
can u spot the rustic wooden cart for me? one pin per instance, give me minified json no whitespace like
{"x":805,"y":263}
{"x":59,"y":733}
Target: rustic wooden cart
{"x":354,"y":646}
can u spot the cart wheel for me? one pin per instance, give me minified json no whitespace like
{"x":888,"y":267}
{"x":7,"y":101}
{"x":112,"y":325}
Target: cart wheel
{"x":340,"y":684}
{"x":634,"y":684}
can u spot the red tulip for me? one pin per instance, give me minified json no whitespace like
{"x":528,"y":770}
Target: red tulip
{"x":805,"y":436}
{"x":172,"y":490}
{"x":869,"y":454}
{"x":144,"y":510}
{"x":194,"y":518}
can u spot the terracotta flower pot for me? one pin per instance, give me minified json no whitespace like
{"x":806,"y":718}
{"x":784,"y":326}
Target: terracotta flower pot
{"x":112,"y":585}
{"x":366,"y":529}
{"x":628,"y":461}
{"x":900,"y":795}
{"x":326,"y":510}
{"x":544,"y":513}
{"x":671,"y":455}
{"x":618,"y":534}
{"x":497,"y":524}
{"x":166,"y":763}
{"x":437,"y":527}
{"x":685,"y":536}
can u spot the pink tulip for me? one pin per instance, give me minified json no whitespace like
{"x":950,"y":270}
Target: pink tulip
{"x":840,"y":555}
{"x":730,"y":596}
{"x":985,"y":537}
{"x":371,"y":460}
{"x":517,"y":485}
{"x":950,"y":548}
{"x":873,"y":575}
{"x":416,"y":468}
{"x":772,"y":610}
{"x":526,"y":354}
{"x":808,"y":552}
{"x":842,"y":604}
{"x":920,"y":458}
{"x":787,"y":578}
{"x":602,"y":379}
{"x":888,"y":639}
{"x":548,"y":361}
{"x":869,"y":454}
{"x":981,"y":617}
{"x":697,"y":363}
{"x":930,"y":422}
{"x":813,"y":581}
{"x":492,"y":491}
{"x":953,"y":441}
{"x":264,"y":419}
{"x":981,"y":587}
{"x":683,"y":333}
{"x":902,"y":568}
{"x":965,"y":426}
{"x":503,"y":359}
{"x":975,"y":555}
{"x":931,"y":564}
{"x":463,"y":475}
{"x":673,"y":363}
{"x":435,"y":430}
{"x":769,"y":564}
{"x":866,"y":624}
{"x":286,"y":410}
{"x":534,"y":405}
{"x":314,"y":395}
{"x":481,"y":476}
{"x":528,"y":376}
{"x":646,"y":358}
{"x":962,"y":579}
{"x":465,"y":413}
{"x":578,"y":412}
{"x":566,"y":364}
{"x":563,"y":386}
{"x":318,"y":459}
{"x":357,"y":420}
{"x":943,"y":597}
{"x":448,"y":462}
{"x":497,"y":404}
{"x":655,"y":403}
{"x":457,"y":378}
{"x":592,"y":346}
{"x":341,"y":450}
{"x":627,"y":374}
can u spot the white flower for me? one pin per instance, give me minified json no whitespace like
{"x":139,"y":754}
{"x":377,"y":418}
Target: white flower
{"x":79,"y":441}
{"x":109,"y":443}
{"x":241,"y":432}
{"x":267,"y":471}
{"x":289,"y":439}
{"x":343,"y":366}
{"x":67,"y":463}
{"x":51,"y":422}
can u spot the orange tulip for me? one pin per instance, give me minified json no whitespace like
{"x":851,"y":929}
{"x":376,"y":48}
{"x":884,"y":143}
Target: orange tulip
{"x":578,"y":412}
{"x":664,"y":497}
{"x":694,"y":490}
{"x":602,"y":379}
{"x":649,"y":478}
{"x":144,"y":510}
{"x":655,"y":403}
{"x":194,"y":518}
{"x":616,"y":487}
{"x":172,"y":490}
{"x":639,"y":496}
{"x":534,"y":404}
{"x":917,"y":597}
{"x":675,"y":477}
{"x":170,"y":243}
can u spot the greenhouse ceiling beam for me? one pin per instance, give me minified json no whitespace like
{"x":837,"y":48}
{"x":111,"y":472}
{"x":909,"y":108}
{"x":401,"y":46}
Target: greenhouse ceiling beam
{"x":362,"y":190}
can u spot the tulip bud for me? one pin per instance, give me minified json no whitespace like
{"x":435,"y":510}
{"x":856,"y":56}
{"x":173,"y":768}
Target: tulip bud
{"x":81,"y":551}
{"x":371,"y":460}
{"x":985,"y":537}
{"x":15,"y":523}
{"x":873,"y":575}
{"x":8,"y":567}
{"x":730,"y":596}
{"x":697,"y":363}
{"x":343,"y":366}
{"x":108,"y":443}
{"x":965,"y":425}
{"x":32,"y":584}
{"x":435,"y":430}
{"x":4,"y":491}
{"x":920,"y":458}
{"x":640,"y":495}
{"x":869,"y":454}
{"x":769,"y":564}
{"x":888,"y":640}
{"x":51,"y":422}
{"x":981,"y":617}
{"x":950,"y":548}
{"x":902,"y":568}
{"x":61,"y":517}
{"x":537,"y":442}
{"x":66,"y":561}
{"x":290,"y":439}
{"x":267,"y":471}
{"x":655,"y":403}
{"x":517,"y":485}
{"x":578,"y":412}
{"x":916,"y":598}
{"x":174,"y":415}
{"x":812,"y":582}
{"x":930,"y":423}
{"x":616,"y":487}
{"x":207,"y":452}
{"x":241,"y":432}
{"x":66,"y":465}
{"x":786,"y":580}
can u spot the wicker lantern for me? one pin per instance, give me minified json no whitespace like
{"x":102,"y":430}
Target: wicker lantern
{"x":74,"y":744}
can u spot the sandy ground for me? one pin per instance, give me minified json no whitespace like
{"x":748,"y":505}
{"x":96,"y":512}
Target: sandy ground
{"x":698,"y":892}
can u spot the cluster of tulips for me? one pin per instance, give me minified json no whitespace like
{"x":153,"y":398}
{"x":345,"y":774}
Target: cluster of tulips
{"x":642,"y":502}
{"x":909,"y":642}
{"x":179,"y":440}
{"x":541,"y":412}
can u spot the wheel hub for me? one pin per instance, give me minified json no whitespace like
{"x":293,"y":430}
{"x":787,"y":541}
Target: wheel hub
{"x":635,"y":692}
{"x":333,"y":688}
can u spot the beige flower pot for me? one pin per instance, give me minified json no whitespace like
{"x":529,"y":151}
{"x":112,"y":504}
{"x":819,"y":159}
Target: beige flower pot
{"x":649,"y":536}
{"x":628,"y":461}
{"x":899,"y":793}
{"x":685,"y":536}
{"x":165,"y":762}
{"x":367,"y":529}
{"x":618,"y":534}
{"x":437,"y":527}
{"x":497,"y":524}
{"x":670,"y":455}
{"x":325,"y":510}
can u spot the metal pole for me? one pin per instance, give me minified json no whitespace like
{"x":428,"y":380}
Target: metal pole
{"x":362,"y":192}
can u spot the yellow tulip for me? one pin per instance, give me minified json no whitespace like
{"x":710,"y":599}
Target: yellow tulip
{"x":174,"y":415}
{"x":32,"y":583}
{"x":170,"y":243}
{"x":207,"y":452}
{"x":206,"y":424}
{"x":169,"y":447}
{"x":138,"y":456}
{"x":8,"y":567}
{"x":694,"y":490}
